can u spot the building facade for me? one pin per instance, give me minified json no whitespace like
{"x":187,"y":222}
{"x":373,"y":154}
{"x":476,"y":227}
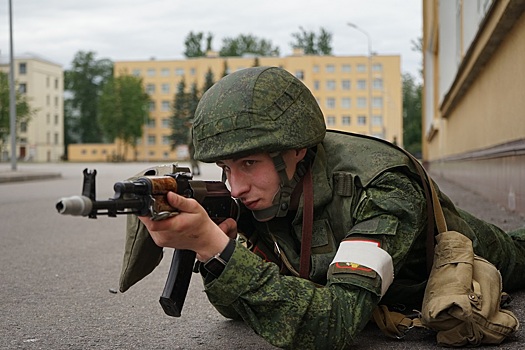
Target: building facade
{"x":356,"y":93}
{"x":42,"y":81}
{"x":473,"y":105}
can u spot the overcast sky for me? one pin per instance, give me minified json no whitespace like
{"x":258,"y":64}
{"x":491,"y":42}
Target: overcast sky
{"x":138,"y":30}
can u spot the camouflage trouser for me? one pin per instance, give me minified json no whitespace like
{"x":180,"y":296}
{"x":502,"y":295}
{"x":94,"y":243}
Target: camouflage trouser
{"x":505,"y":250}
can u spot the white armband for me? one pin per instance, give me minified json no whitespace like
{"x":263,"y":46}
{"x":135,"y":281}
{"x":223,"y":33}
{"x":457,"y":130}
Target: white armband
{"x":367,"y":253}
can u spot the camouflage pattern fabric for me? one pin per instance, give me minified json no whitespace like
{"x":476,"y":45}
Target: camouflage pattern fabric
{"x":255,"y":110}
{"x":362,"y":188}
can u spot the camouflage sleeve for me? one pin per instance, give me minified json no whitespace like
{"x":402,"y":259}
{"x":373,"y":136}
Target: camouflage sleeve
{"x":393,"y":209}
{"x":291,"y":312}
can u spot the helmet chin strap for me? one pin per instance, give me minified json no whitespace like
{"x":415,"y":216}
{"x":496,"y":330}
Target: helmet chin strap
{"x":281,"y":200}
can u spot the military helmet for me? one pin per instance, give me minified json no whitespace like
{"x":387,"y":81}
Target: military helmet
{"x":253,"y":110}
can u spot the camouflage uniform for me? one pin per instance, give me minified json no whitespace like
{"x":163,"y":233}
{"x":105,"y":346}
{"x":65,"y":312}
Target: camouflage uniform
{"x":361,"y":188}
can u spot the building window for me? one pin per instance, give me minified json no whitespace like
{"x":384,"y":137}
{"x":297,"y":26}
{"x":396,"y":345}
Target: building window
{"x":165,"y":88}
{"x":346,"y":68}
{"x":56,"y":101}
{"x":299,"y":74}
{"x":179,"y":72}
{"x":56,"y":119}
{"x":316,"y":84}
{"x":330,"y":68}
{"x":166,"y":123}
{"x":346,"y":102}
{"x":151,"y":139}
{"x":377,"y":120}
{"x":346,"y":120}
{"x":23,"y":127}
{"x":378,"y":84}
{"x":166,"y":140}
{"x":151,"y":72}
{"x":361,"y":84}
{"x":377,"y":102}
{"x":22,"y":88}
{"x":165,"y":106}
{"x":361,"y":68}
{"x":56,"y":138}
{"x":136,"y":72}
{"x":56,"y":84}
{"x":151,"y":106}
{"x":330,"y":85}
{"x":345,"y":84}
{"x":151,"y":123}
{"x":377,"y":67}
{"x":361,"y":102}
{"x":315,"y":68}
{"x":165,"y":72}
{"x":22,"y":68}
{"x":330,"y":103}
{"x":361,"y":120}
{"x":150,"y":88}
{"x":330,"y":120}
{"x":193,"y":71}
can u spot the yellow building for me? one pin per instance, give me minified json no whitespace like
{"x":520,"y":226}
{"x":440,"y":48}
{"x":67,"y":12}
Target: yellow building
{"x":42,"y":138}
{"x":352,"y":95}
{"x":473,"y":99}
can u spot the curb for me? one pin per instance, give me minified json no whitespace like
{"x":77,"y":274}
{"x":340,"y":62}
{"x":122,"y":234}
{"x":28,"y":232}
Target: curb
{"x":21,"y":177}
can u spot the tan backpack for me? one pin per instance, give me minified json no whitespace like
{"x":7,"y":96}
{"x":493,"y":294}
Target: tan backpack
{"x":463,"y":297}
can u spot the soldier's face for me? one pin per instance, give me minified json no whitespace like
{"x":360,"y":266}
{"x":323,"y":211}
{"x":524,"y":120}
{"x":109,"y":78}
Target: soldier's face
{"x":254,"y":180}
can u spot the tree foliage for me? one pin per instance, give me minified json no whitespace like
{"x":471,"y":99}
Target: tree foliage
{"x":84,"y":83}
{"x":180,"y":118}
{"x":194,"y":44}
{"x":247,"y":44}
{"x":208,"y":81}
{"x":412,"y":115}
{"x":123,"y":110}
{"x":312,"y":43}
{"x":24,"y":112}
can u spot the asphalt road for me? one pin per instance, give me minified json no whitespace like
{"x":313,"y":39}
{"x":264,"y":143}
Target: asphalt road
{"x":58,"y":272}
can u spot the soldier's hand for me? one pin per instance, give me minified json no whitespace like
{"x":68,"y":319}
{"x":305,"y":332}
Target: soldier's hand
{"x":191,"y":229}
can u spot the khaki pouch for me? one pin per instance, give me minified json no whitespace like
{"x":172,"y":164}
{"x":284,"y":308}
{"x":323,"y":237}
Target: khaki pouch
{"x":463,"y":296}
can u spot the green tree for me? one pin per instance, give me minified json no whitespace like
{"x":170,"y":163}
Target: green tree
{"x":247,"y":44}
{"x":312,"y":43}
{"x":194,"y":46}
{"x":208,"y":81}
{"x":225,"y":68}
{"x":180,"y":119}
{"x":412,"y":115}
{"x":24,"y":112}
{"x":84,"y":82}
{"x":123,"y":110}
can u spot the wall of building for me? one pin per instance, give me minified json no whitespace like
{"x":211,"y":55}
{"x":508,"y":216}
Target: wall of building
{"x":338,"y":83}
{"x":475,"y":129}
{"x":43,"y":83}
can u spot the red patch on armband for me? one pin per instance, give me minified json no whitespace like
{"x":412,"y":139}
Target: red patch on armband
{"x":352,"y":266}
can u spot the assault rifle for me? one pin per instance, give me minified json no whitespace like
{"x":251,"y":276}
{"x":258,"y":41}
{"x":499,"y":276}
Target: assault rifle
{"x":147,"y":196}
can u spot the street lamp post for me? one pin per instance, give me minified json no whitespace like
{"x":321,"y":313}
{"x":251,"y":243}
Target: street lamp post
{"x":12,"y":96}
{"x":352,"y":25}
